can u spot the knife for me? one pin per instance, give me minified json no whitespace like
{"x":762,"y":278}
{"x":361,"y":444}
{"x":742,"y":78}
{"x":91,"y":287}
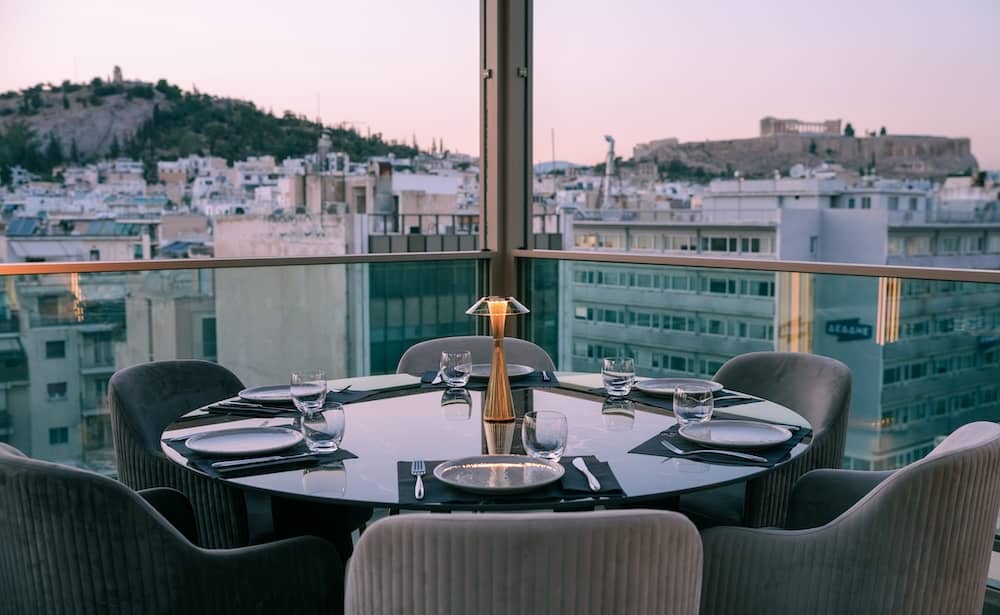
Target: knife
{"x":438,"y":377}
{"x":592,"y":481}
{"x":236,"y":463}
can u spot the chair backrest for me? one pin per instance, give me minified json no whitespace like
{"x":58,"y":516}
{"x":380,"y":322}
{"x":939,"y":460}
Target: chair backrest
{"x":930,"y":528}
{"x":72,"y":541}
{"x":144,"y":400}
{"x":426,"y":356}
{"x":622,"y":561}
{"x":817,"y":387}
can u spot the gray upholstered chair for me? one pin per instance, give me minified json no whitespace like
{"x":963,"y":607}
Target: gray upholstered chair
{"x":917,"y":541}
{"x":819,"y":389}
{"x":76,"y":543}
{"x":426,"y":356}
{"x":624,"y":561}
{"x":144,"y":400}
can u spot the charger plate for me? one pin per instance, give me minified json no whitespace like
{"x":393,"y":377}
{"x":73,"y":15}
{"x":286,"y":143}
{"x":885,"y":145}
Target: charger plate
{"x":498,"y":474}
{"x":244,"y":441}
{"x":270,"y":394}
{"x":748,"y":435}
{"x":665,"y":386}
{"x":514,"y":370}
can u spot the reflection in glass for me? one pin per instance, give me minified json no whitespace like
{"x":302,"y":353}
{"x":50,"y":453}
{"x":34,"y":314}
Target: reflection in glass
{"x":618,"y":414}
{"x":456,"y":405}
{"x":329,"y":479}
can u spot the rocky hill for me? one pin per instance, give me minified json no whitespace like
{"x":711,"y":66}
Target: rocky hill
{"x":891,"y":155}
{"x":44,"y":126}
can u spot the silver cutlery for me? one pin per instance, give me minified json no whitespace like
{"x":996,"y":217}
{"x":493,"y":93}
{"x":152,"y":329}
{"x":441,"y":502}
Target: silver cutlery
{"x":236,"y":463}
{"x":343,"y":389}
{"x":744,"y":456}
{"x":438,"y":378}
{"x":592,"y":481}
{"x":418,"y":469}
{"x":546,"y":377}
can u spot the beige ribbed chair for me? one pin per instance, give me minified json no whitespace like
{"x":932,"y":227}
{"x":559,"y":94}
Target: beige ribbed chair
{"x":636,"y":562}
{"x":73,"y":542}
{"x":819,"y":389}
{"x":918,"y":542}
{"x":426,"y":356}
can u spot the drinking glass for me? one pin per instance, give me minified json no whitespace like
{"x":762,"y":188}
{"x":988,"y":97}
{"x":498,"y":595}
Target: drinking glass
{"x":323,"y":428}
{"x":456,"y":367}
{"x":693,"y":403}
{"x":456,"y":405}
{"x":618,"y":414}
{"x":618,"y":375}
{"x":308,"y":390}
{"x":544,"y":434}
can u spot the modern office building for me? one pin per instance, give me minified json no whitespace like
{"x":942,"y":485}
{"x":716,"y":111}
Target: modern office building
{"x":913,"y":376}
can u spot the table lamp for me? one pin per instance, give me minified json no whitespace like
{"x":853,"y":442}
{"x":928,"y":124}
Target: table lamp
{"x":498,"y":406}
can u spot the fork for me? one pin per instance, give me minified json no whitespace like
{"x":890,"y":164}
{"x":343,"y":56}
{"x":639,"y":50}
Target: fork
{"x":745,"y":456}
{"x":418,"y":469}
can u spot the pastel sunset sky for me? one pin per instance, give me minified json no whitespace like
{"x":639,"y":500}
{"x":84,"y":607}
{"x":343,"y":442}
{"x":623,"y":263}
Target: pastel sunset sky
{"x":636,"y":69}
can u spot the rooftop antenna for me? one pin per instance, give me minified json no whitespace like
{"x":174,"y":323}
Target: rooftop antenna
{"x":553,"y":150}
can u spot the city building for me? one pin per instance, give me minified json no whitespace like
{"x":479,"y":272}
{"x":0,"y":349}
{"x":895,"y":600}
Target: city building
{"x":913,"y":377}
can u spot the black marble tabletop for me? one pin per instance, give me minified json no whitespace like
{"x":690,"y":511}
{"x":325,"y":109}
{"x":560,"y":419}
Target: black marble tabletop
{"x":411,"y":423}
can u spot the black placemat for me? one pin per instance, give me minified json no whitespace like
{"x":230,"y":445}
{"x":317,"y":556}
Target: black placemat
{"x":723,"y":399}
{"x":534,"y":380}
{"x":204,"y":462}
{"x":572,"y":486}
{"x":774,"y":455}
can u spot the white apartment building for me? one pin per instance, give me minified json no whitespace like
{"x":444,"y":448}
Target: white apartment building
{"x":924,"y":354}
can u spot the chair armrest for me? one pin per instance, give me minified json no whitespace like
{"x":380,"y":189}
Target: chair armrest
{"x":175,"y":508}
{"x":755,"y":570}
{"x":300,"y":575}
{"x":821,"y":496}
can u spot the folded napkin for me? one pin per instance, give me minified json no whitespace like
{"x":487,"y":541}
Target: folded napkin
{"x":534,"y":380}
{"x":203,"y":462}
{"x":572,"y":486}
{"x":774,"y":454}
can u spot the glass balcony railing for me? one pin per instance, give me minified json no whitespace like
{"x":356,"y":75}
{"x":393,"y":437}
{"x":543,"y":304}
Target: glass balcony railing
{"x":925,"y":354}
{"x":348,"y":318}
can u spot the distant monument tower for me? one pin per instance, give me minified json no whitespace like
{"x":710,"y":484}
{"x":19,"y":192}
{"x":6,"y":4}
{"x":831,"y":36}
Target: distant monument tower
{"x":323,"y":147}
{"x":117,"y":77}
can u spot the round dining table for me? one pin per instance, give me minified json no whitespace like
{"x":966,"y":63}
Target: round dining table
{"x":395,"y":421}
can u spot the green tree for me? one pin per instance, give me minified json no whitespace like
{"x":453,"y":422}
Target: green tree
{"x":812,"y":146}
{"x":19,"y":146}
{"x":115,"y":150}
{"x":65,"y":101}
{"x":848,"y":130}
{"x":53,"y":152}
{"x":882,"y":132}
{"x":74,"y":151}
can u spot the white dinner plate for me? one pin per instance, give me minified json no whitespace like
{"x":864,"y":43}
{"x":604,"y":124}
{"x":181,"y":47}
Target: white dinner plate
{"x":244,"y":441}
{"x":735,"y":434}
{"x":666,"y":386}
{"x":482,"y":370}
{"x":498,"y":473}
{"x":274,"y":393}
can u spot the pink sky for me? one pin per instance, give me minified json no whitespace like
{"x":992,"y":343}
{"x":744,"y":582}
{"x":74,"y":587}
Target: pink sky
{"x":638,"y":70}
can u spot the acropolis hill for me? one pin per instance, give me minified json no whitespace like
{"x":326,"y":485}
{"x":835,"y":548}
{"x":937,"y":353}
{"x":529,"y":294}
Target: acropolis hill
{"x":914,"y":156}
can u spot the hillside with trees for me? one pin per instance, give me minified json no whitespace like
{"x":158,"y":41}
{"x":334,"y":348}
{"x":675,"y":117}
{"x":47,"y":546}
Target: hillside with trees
{"x":46,"y":126}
